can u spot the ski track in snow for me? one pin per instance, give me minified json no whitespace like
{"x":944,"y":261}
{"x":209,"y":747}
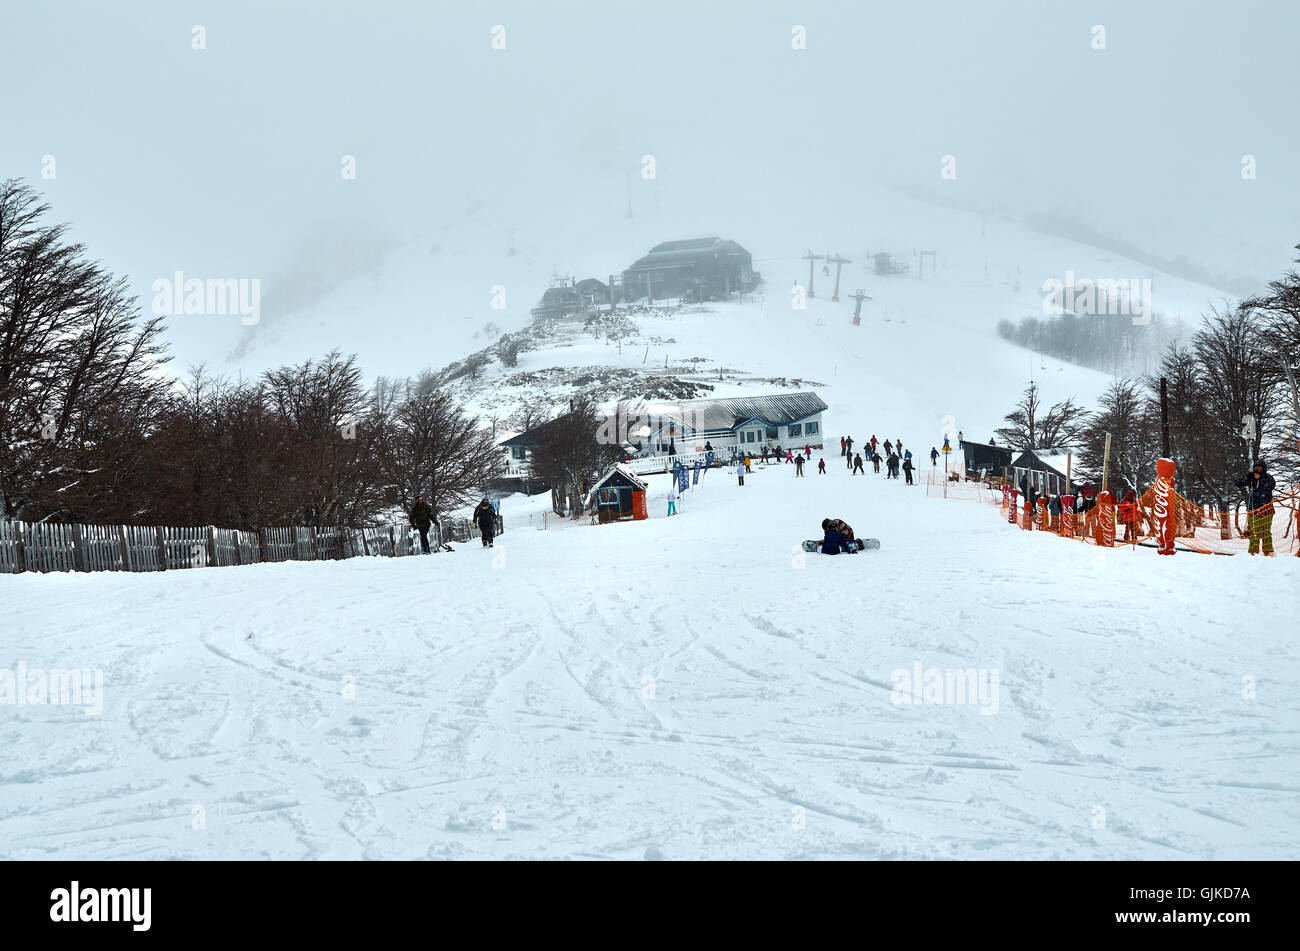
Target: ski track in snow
{"x":687,"y":688}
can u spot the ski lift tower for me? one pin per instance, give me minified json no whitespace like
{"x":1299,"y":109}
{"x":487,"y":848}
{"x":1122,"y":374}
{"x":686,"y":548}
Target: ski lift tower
{"x":839,"y":262}
{"x":859,"y":296}
{"x":812,"y":259}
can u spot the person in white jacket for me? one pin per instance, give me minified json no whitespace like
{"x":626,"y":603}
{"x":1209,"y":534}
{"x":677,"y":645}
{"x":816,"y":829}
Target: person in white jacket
{"x":740,"y":471}
{"x":672,"y":498}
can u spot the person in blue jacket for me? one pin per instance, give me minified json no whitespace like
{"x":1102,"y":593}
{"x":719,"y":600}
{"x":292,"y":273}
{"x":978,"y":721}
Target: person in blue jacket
{"x":838,"y":537}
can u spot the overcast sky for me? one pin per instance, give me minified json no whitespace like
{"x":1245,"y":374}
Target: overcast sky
{"x":226,"y":160}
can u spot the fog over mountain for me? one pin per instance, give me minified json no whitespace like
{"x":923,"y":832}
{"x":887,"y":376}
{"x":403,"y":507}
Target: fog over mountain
{"x":226,"y":160}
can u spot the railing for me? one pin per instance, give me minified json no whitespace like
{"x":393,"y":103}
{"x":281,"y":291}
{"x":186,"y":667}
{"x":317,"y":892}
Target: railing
{"x":45,"y":547}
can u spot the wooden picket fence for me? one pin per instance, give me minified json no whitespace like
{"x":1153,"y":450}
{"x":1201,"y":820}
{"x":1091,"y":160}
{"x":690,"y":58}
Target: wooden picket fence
{"x":44,"y":547}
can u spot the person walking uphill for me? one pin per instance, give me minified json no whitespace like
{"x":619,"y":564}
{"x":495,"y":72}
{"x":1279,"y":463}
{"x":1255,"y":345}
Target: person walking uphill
{"x":1260,"y":484}
{"x":422,"y":520}
{"x":934,"y":456}
{"x":485,"y":516}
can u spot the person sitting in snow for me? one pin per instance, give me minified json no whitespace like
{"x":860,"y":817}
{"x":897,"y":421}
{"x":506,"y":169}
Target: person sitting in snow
{"x":838,"y":537}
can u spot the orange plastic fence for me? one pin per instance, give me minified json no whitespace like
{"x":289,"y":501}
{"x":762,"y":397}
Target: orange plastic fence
{"x":1197,"y":528}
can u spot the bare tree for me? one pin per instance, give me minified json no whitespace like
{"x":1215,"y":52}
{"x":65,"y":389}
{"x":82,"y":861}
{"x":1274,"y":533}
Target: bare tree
{"x":570,"y":455}
{"x":1030,"y":427}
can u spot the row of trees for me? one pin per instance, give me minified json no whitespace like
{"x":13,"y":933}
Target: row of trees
{"x":94,"y":429}
{"x":1232,"y":399}
{"x":1111,"y":343}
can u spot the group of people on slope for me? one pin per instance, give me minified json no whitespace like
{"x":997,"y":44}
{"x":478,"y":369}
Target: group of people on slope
{"x":894,"y":456}
{"x":485,"y":517}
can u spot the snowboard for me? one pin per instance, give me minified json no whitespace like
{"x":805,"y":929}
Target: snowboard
{"x":860,"y":544}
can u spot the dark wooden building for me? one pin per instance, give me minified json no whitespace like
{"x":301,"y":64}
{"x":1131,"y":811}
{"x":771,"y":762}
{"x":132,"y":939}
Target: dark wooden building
{"x":695,"y":269}
{"x":982,"y":456}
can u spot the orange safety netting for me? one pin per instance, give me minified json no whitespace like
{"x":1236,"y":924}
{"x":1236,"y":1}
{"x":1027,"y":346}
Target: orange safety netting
{"x":1197,"y":528}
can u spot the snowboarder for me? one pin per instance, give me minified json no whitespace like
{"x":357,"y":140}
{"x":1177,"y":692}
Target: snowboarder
{"x":857,"y":465}
{"x":837,"y":537}
{"x":485,"y":516}
{"x":821,"y":466}
{"x":672,"y":498}
{"x":1260,"y":484}
{"x":740,"y":471}
{"x":798,"y":466}
{"x":934,"y":456}
{"x":422,"y":520}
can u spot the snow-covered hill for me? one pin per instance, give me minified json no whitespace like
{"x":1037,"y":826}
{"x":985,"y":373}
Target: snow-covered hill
{"x":674,"y":688}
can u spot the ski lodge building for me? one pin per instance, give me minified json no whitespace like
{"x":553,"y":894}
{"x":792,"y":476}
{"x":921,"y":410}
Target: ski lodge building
{"x":695,"y":269}
{"x":661,"y":432}
{"x":743,"y":423}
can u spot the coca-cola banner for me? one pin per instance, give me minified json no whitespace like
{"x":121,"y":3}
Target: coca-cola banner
{"x":1105,"y":526}
{"x":1166,"y":525}
{"x":1011,"y":509}
{"x":1067,"y":516}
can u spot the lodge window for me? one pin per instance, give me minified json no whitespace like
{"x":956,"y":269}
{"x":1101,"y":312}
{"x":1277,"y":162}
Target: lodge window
{"x":517,"y":452}
{"x":795,"y":430}
{"x":810,"y":429}
{"x":772,"y":433}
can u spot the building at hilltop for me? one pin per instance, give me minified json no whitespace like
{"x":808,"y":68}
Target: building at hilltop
{"x":695,"y":269}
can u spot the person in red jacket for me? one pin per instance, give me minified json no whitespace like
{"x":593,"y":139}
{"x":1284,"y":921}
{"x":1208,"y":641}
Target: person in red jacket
{"x":1128,"y":515}
{"x":841,"y":445}
{"x":789,"y":455}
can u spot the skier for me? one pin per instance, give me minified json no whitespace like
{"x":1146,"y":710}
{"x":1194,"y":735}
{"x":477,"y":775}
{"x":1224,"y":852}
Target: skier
{"x":889,"y":448}
{"x":821,"y":466}
{"x":807,"y":451}
{"x":907,"y":468}
{"x":906,"y":455}
{"x":842,"y":449}
{"x":934,"y":456}
{"x":798,"y":466}
{"x":672,"y":497}
{"x":873,"y":442}
{"x":849,"y":443}
{"x":875,"y":461}
{"x":740,"y":471}
{"x":789,"y":455}
{"x":891,"y":464}
{"x":485,"y":516}
{"x":857,"y":465}
{"x":763,"y":453}
{"x":422,"y":520}
{"x":1128,"y":515}
{"x":1260,"y":484}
